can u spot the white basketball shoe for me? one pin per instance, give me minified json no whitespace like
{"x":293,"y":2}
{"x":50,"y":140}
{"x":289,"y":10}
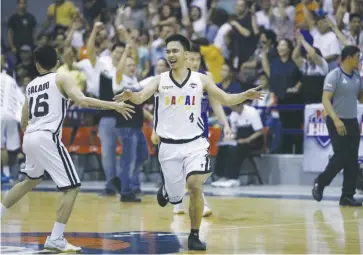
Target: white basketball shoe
{"x":60,"y":245}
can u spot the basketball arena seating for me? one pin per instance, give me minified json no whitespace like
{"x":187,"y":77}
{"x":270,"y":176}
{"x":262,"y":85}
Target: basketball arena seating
{"x":85,"y":142}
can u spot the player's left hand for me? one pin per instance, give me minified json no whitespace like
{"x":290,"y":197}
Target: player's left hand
{"x":125,"y":109}
{"x":254,"y":93}
{"x":124,"y":96}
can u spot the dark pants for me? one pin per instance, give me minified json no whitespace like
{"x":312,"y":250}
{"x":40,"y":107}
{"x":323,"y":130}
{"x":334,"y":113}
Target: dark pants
{"x":237,"y":155}
{"x":134,"y":154}
{"x":220,"y":166}
{"x":345,"y":156}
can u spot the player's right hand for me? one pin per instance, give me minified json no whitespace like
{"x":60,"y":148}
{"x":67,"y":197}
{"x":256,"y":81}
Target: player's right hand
{"x":155,"y":139}
{"x":339,"y":125}
{"x":125,"y":109}
{"x":124,"y":96}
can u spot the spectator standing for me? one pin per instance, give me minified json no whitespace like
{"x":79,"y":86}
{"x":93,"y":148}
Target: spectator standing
{"x":263,"y":16}
{"x":130,"y":131}
{"x":21,"y":28}
{"x":324,"y":39}
{"x":243,"y":33}
{"x":61,"y":13}
{"x":313,"y":67}
{"x":285,"y":84}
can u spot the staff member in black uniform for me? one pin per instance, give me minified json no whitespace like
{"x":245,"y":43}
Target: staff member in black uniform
{"x":344,"y":86}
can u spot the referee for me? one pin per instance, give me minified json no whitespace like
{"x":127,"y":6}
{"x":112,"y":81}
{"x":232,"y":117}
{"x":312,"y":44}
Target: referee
{"x":343,"y":86}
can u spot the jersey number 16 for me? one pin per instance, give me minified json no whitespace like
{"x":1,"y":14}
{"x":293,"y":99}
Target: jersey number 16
{"x":41,"y":107}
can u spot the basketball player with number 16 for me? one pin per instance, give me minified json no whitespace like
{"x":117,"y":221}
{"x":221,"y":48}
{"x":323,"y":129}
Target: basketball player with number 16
{"x":44,"y":111}
{"x":183,"y":152}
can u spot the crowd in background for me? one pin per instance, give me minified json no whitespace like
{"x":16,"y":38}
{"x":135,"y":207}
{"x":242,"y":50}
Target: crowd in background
{"x":287,"y":46}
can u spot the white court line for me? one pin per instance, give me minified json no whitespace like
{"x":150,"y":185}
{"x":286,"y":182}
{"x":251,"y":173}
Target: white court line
{"x":282,"y":225}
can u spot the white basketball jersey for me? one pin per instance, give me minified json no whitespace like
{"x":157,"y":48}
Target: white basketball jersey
{"x":178,"y":107}
{"x":47,"y":107}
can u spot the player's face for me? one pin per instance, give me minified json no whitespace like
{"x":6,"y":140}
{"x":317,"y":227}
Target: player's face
{"x":194,"y":61}
{"x":176,"y":55}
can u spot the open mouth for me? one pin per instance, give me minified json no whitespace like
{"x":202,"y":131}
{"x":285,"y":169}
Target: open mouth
{"x":172,"y":62}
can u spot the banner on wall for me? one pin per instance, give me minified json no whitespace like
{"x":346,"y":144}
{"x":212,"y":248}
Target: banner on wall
{"x":317,"y":145}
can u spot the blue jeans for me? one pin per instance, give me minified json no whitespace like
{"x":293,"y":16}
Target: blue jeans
{"x":135,"y":153}
{"x":108,"y":137}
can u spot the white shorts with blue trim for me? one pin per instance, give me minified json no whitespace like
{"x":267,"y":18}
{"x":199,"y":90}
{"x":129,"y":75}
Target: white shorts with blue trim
{"x":179,"y":161}
{"x":45,"y":152}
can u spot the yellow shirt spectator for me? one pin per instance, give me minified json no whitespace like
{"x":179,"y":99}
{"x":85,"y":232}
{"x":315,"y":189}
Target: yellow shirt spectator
{"x":299,"y":11}
{"x":62,"y":12}
{"x":214,"y":60}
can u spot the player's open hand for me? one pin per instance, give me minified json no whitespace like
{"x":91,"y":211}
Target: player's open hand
{"x":254,"y":93}
{"x":125,"y":109}
{"x":124,"y":96}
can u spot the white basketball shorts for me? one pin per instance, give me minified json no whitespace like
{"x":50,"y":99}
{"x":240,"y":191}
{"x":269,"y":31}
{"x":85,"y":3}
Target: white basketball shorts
{"x":46,"y":152}
{"x":10,"y":134}
{"x":179,"y":161}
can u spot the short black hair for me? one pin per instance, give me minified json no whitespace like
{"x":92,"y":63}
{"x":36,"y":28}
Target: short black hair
{"x":46,"y":56}
{"x":354,"y":15}
{"x":349,"y":51}
{"x":118,"y":44}
{"x":195,"y":48}
{"x":179,"y":38}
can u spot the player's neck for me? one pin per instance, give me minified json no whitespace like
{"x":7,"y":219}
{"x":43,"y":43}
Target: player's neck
{"x":180,"y":73}
{"x":346,"y":69}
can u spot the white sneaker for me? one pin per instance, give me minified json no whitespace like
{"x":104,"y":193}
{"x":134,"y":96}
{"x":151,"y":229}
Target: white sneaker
{"x":207,"y":211}
{"x":217,"y":184}
{"x":230,"y":183}
{"x":179,"y":209}
{"x":60,"y":245}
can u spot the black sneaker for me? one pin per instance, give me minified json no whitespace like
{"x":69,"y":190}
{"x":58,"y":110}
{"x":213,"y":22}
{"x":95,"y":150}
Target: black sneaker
{"x":131,"y":198}
{"x":195,"y":244}
{"x":162,"y":200}
{"x":317,"y":191}
{"x":349,"y":201}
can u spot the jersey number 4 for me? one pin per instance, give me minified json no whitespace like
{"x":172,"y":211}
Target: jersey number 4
{"x":191,"y":117}
{"x":41,"y":107}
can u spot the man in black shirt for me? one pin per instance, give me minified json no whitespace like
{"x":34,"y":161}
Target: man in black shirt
{"x":21,"y":27}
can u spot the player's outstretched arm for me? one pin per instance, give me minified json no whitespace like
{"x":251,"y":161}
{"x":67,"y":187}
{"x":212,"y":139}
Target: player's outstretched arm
{"x":229,"y":99}
{"x":141,"y":96}
{"x":67,"y":86}
{"x":24,"y":116}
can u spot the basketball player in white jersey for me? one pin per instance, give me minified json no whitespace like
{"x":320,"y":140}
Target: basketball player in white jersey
{"x":194,"y":63}
{"x":43,"y":113}
{"x":183,"y":152}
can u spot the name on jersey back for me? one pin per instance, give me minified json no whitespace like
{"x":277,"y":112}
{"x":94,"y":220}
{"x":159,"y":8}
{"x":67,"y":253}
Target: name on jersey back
{"x":38,"y":88}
